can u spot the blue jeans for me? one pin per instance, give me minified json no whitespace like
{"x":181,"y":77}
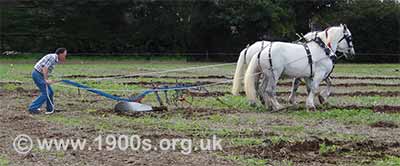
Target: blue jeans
{"x":46,"y":93}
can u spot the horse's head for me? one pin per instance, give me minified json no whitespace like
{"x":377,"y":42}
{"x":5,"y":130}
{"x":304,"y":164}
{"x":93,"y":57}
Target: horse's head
{"x":345,"y":43}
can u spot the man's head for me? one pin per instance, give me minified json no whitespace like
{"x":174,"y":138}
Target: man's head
{"x":62,"y":54}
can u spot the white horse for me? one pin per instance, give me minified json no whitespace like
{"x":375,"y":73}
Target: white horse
{"x":255,"y":49}
{"x":245,"y":57}
{"x":291,"y":60}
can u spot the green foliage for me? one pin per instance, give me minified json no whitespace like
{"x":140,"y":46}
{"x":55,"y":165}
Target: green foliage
{"x":279,"y":139}
{"x":248,"y":161}
{"x":191,"y":26}
{"x":4,"y":161}
{"x":349,"y":116}
{"x":289,"y":129}
{"x":374,"y":25}
{"x":246,"y":141}
{"x":326,"y":149}
{"x":10,"y":87}
{"x":68,"y":121}
{"x":389,"y":161}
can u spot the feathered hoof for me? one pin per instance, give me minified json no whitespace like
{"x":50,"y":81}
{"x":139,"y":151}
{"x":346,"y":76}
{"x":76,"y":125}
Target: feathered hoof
{"x":253,"y":103}
{"x":311,"y":109}
{"x":235,"y":93}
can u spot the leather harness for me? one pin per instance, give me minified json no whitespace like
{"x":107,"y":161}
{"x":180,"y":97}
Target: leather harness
{"x":262,"y":48}
{"x":308,"y":52}
{"x":310,"y":61}
{"x":259,"y":53}
{"x":245,"y":53}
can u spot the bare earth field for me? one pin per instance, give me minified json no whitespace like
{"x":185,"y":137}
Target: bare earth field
{"x":358,"y":126}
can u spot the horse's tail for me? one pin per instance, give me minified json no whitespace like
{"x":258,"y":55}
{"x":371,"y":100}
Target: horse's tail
{"x":250,"y":78}
{"x":240,"y":65}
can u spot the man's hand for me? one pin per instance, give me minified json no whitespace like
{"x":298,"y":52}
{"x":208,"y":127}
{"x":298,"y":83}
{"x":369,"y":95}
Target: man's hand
{"x":50,"y":82}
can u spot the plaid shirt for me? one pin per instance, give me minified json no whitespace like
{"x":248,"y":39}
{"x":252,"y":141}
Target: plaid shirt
{"x":49,"y":61}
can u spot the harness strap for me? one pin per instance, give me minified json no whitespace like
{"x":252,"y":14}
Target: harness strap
{"x":270,"y":58}
{"x":271,"y":68}
{"x":327,"y":50}
{"x":310,"y":61}
{"x":333,"y":67}
{"x":245,"y":53}
{"x":259,"y":54}
{"x":322,"y":45}
{"x":262,"y":48}
{"x":341,"y":39}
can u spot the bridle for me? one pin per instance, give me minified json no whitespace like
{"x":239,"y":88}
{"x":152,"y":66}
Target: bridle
{"x":346,"y":36}
{"x":349,"y":41}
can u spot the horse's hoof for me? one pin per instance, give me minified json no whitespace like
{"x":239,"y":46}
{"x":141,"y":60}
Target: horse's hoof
{"x":311,"y":109}
{"x":252,"y":103}
{"x":278,"y":108}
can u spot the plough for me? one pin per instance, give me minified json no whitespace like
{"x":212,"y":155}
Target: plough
{"x":133,"y":103}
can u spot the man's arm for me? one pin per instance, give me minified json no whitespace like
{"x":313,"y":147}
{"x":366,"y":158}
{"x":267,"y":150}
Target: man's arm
{"x":45,"y":72}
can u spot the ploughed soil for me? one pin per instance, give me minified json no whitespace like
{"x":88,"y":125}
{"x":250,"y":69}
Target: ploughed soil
{"x":382,"y":138}
{"x":206,"y":82}
{"x":217,"y":76}
{"x":308,"y":152}
{"x":16,"y":120}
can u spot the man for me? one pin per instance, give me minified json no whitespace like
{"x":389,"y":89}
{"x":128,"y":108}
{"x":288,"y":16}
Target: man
{"x":40,"y":75}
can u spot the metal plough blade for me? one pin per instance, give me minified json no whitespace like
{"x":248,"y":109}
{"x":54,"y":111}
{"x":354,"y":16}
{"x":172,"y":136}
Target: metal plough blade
{"x":132,"y":107}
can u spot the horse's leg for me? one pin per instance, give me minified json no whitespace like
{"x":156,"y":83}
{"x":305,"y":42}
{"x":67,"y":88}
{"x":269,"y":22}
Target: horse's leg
{"x":323,"y":96}
{"x":271,"y":90}
{"x":314,"y":85}
{"x":263,"y":96}
{"x":265,"y":99}
{"x":259,"y":86}
{"x":308,"y":85}
{"x":295,"y":86}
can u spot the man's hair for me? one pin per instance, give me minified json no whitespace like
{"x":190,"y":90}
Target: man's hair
{"x":60,"y":50}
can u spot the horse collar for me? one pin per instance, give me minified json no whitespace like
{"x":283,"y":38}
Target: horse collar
{"x":326,"y":31}
{"x":326,"y":35}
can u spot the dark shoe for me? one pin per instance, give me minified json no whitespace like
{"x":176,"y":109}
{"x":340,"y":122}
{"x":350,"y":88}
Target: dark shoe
{"x":49,"y":112}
